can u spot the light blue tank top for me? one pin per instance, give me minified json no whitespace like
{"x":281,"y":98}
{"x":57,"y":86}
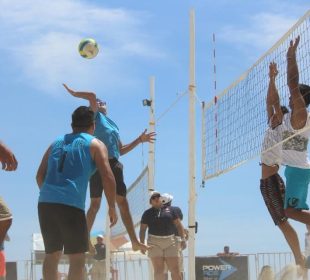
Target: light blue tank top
{"x":108,"y":132}
{"x":70,"y":167}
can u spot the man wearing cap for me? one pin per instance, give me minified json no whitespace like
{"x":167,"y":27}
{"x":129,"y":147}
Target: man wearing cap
{"x":161,"y":222}
{"x":63,"y":177}
{"x":107,"y":131}
{"x":166,"y":200}
{"x":98,"y":271}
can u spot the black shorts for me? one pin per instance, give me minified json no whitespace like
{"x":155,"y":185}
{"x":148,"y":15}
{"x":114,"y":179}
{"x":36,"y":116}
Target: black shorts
{"x":273,"y":192}
{"x":63,"y":228}
{"x":96,"y":185}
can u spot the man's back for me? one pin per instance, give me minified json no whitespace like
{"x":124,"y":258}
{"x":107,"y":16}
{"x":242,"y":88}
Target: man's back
{"x":69,"y":168}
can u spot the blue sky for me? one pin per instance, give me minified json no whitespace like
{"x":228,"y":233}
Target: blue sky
{"x":137,"y":39}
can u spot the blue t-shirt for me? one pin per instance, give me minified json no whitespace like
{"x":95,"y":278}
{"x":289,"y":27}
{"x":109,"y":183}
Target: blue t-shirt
{"x":107,"y":132}
{"x":69,"y":169}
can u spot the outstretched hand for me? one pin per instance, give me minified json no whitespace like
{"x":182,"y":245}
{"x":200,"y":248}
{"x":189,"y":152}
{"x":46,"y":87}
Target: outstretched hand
{"x":273,"y":70}
{"x":291,"y":52}
{"x":7,"y":158}
{"x":147,"y":137}
{"x":72,"y":92}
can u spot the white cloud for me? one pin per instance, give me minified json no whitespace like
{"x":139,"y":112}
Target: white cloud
{"x":44,"y":36}
{"x":260,"y":32}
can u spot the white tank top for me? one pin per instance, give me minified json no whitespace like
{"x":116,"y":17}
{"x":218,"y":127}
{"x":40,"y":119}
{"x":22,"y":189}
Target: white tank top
{"x":294,"y":150}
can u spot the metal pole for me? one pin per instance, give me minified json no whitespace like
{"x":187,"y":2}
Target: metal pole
{"x":151,"y":160}
{"x":192,"y":152}
{"x":108,"y":245}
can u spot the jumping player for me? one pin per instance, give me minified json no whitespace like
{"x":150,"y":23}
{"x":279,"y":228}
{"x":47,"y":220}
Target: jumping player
{"x":280,"y":122}
{"x":107,"y":131}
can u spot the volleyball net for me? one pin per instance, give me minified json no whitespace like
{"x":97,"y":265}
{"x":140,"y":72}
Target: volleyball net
{"x":235,"y":122}
{"x":138,"y":199}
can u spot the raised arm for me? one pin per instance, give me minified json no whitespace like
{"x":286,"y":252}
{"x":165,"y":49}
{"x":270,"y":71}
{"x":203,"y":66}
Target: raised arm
{"x":100,"y":155}
{"x":90,"y":96}
{"x":41,"y":173}
{"x":299,"y":110}
{"x":7,"y":158}
{"x":275,"y":115}
{"x":144,"y":137}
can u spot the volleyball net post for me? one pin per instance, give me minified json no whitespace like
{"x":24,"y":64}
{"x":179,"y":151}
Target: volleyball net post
{"x":192,"y":151}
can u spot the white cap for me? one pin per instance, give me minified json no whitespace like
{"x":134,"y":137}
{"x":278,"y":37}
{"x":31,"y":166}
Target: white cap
{"x":166,"y":198}
{"x":100,"y":236}
{"x":154,"y":193}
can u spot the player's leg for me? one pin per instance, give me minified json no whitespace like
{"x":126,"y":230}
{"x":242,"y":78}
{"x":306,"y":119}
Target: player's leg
{"x":50,"y":265}
{"x":96,"y":189}
{"x":122,"y":202}
{"x":49,"y":223}
{"x":273,"y":191}
{"x":75,"y":235}
{"x":293,"y":241}
{"x":77,"y":266}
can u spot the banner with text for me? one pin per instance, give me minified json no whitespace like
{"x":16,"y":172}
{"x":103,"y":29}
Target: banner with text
{"x":222,"y":268}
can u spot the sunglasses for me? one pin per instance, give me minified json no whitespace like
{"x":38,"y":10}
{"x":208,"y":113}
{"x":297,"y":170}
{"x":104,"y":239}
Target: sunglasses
{"x":100,"y":102}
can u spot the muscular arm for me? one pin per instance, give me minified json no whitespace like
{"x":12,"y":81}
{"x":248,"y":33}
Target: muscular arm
{"x":299,"y":110}
{"x":144,"y":137}
{"x":100,"y":155}
{"x":41,"y":173}
{"x":90,"y":96}
{"x":275,"y":115}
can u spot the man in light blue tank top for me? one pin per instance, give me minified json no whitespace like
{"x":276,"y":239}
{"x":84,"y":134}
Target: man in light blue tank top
{"x":63,"y":177}
{"x":107,"y":131}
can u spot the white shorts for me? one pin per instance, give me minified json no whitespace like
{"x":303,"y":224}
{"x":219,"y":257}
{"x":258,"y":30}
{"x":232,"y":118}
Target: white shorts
{"x":271,"y":153}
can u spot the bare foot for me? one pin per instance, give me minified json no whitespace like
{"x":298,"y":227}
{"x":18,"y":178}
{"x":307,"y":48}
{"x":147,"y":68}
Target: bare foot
{"x":137,"y":246}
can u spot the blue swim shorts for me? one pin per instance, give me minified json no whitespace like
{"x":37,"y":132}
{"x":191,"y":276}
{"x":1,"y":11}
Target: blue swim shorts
{"x":297,"y":182}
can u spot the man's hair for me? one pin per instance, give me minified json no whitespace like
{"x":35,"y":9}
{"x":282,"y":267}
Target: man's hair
{"x":82,"y":117}
{"x":305,"y":92}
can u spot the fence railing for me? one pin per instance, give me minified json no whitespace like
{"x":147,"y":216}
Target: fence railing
{"x":127,"y":266}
